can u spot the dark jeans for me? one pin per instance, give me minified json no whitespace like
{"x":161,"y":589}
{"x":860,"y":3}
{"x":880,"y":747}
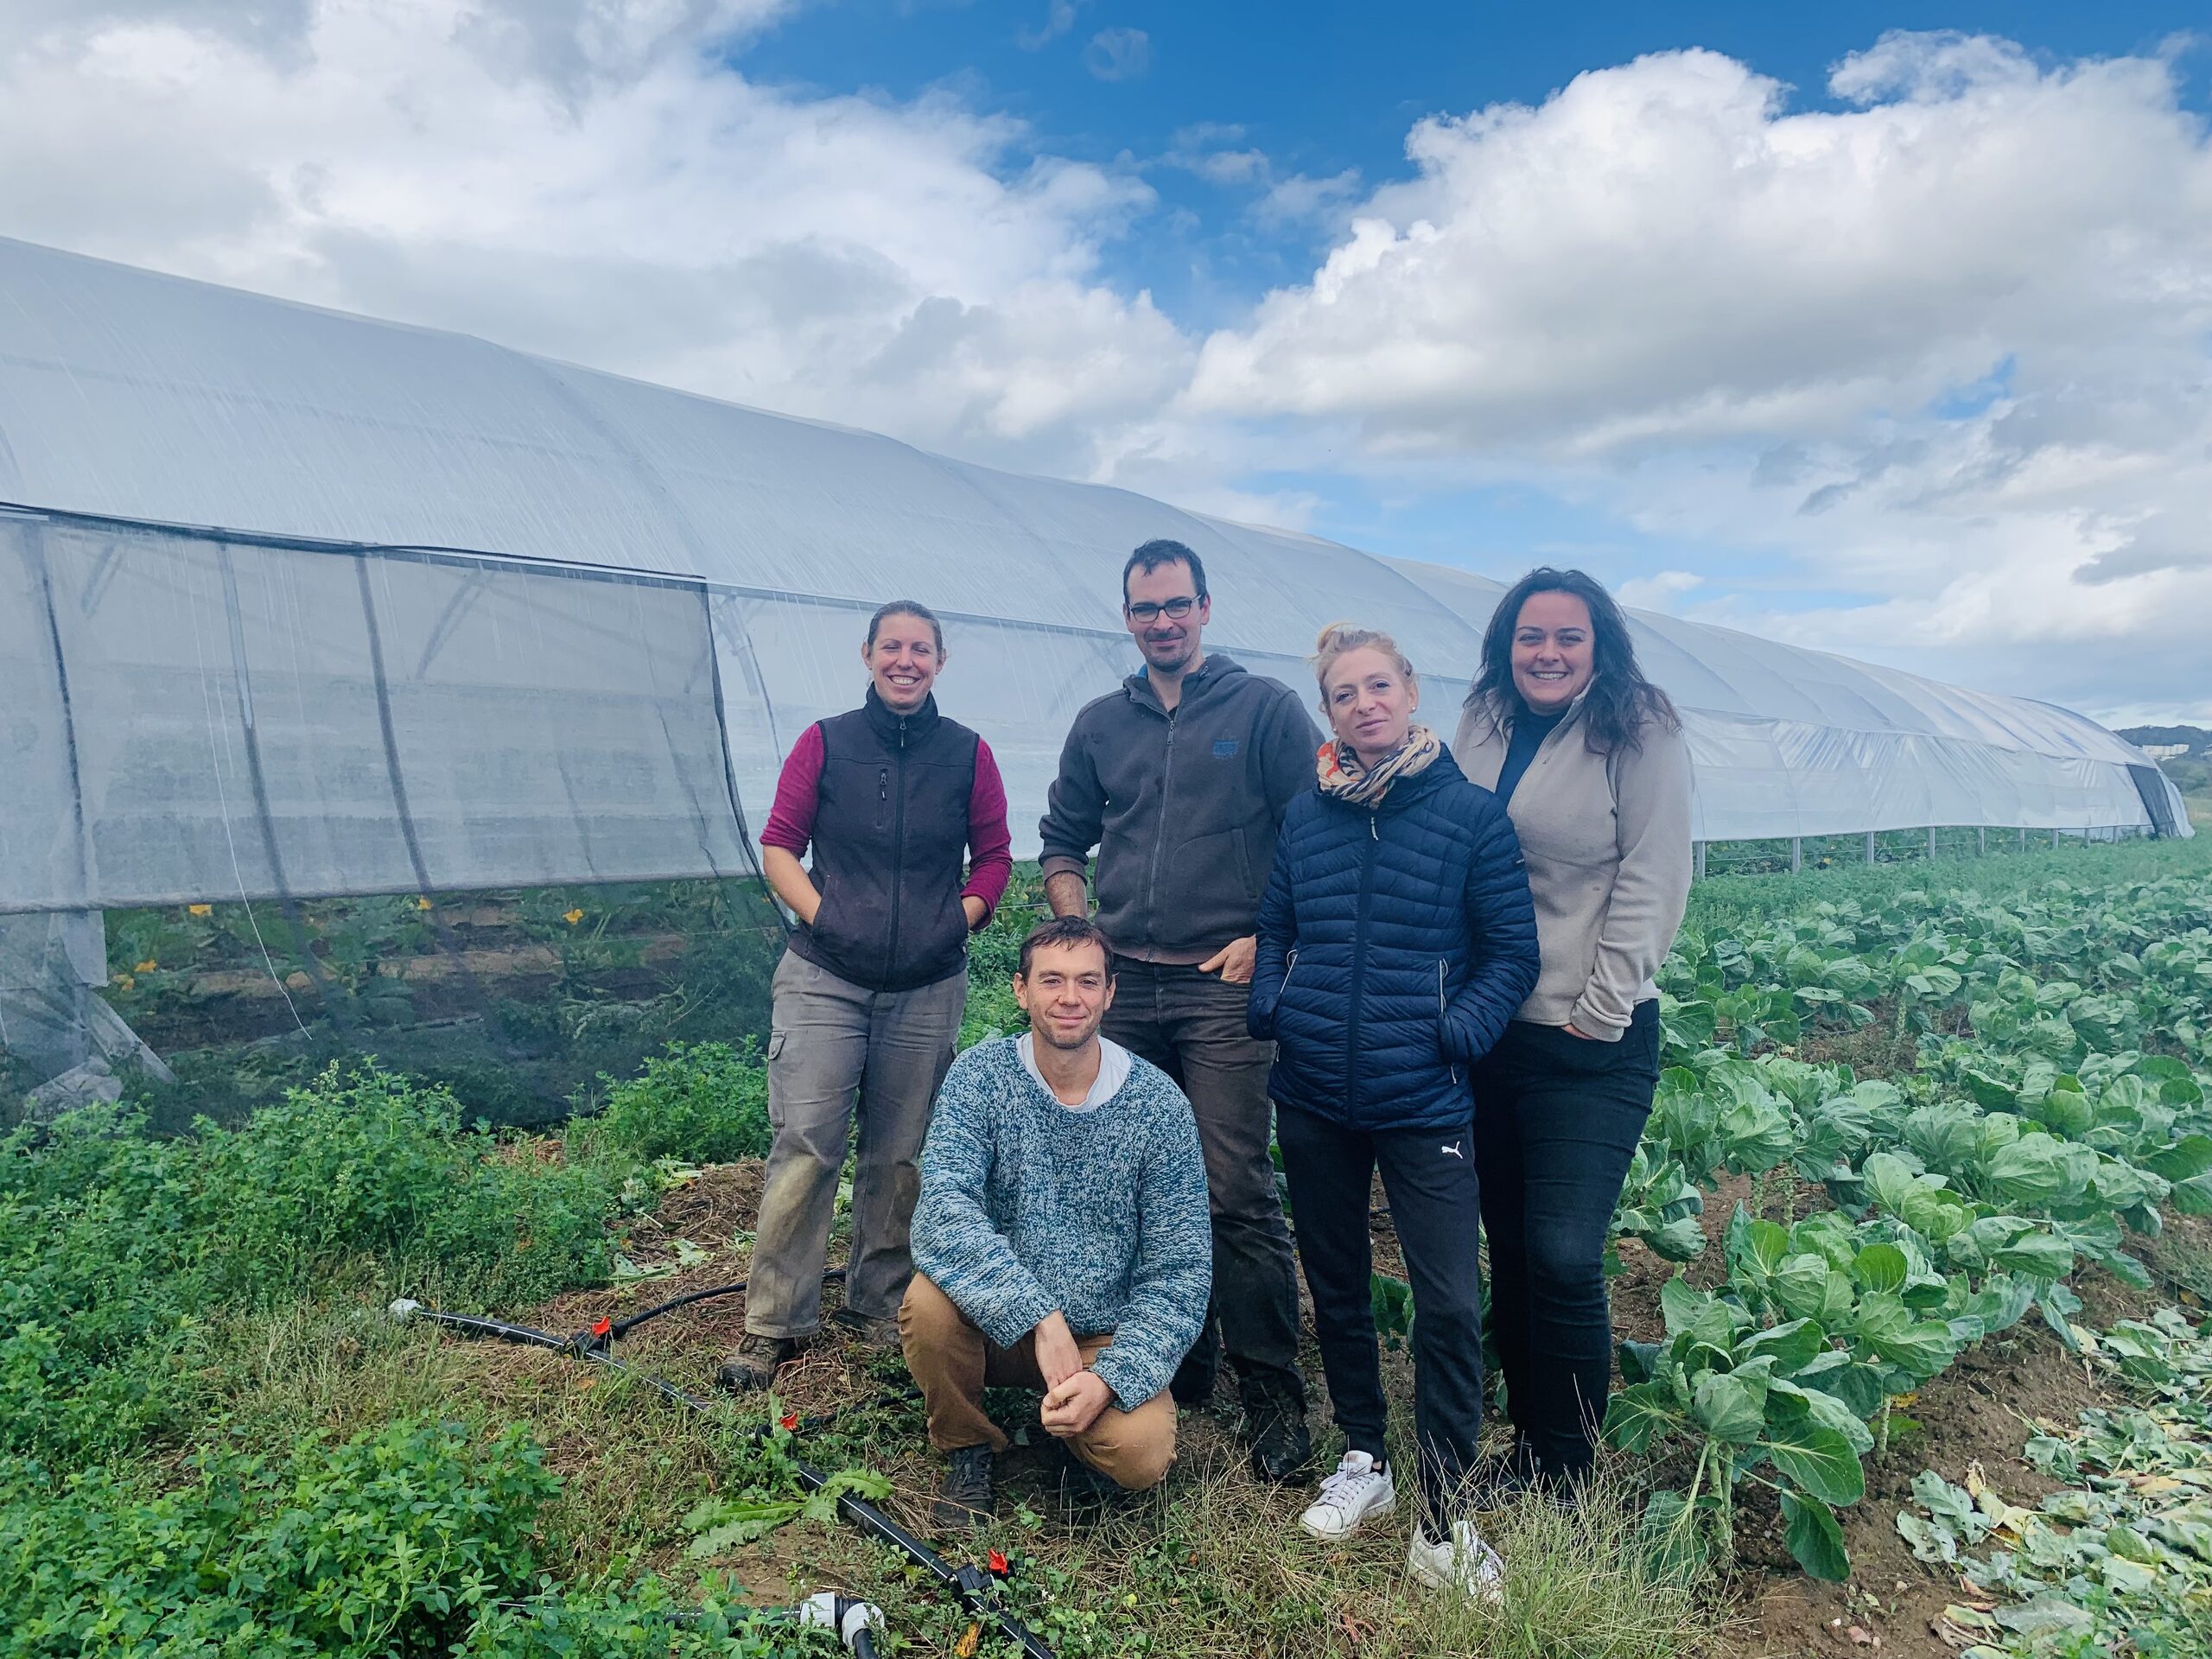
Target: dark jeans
{"x":1431,"y":1179}
{"x":1191,"y":1026}
{"x":1557,"y":1119}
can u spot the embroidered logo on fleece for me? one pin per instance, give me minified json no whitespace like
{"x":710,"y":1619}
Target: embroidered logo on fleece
{"x":1224,"y":747}
{"x":1453,"y":1151}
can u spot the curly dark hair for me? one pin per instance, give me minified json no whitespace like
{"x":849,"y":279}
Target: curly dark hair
{"x":1620,"y":701}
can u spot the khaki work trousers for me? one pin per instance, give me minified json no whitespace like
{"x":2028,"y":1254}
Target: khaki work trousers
{"x":840,"y":1057}
{"x":955,"y":1362}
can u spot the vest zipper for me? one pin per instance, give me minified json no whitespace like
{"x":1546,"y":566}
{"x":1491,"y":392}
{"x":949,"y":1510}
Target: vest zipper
{"x":898,"y":856}
{"x":1359,"y":970}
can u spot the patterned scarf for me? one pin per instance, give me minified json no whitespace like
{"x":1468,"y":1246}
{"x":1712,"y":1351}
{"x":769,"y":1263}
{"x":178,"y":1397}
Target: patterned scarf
{"x":1341,"y":776}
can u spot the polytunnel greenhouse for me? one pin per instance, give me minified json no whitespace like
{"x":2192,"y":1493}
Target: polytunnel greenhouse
{"x":309,"y":622}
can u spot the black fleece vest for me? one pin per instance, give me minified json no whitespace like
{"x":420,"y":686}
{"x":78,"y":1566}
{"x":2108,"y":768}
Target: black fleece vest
{"x":890,"y":848}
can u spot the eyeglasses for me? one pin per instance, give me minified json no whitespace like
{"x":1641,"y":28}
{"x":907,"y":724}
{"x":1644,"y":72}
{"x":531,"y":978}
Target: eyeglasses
{"x":1145,"y":611}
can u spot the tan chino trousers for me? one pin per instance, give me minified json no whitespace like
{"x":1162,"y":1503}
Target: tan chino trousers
{"x":955,"y":1362}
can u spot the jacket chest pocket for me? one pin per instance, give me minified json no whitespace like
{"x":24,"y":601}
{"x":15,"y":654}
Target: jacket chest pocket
{"x":1587,"y":839}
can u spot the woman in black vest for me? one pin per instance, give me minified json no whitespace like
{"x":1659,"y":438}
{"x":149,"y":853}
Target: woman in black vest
{"x":893,"y":798}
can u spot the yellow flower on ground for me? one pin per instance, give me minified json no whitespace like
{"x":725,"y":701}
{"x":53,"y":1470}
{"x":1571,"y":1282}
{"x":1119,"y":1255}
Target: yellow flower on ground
{"x":127,"y":981}
{"x":421,"y":903}
{"x":572,"y":917}
{"x":146,"y":967}
{"x":199,"y":909}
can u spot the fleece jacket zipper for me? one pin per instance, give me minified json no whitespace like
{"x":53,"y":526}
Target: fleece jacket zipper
{"x":1159,"y":839}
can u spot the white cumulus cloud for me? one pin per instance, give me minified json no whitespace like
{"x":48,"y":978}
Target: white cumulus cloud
{"x":591,"y":179}
{"x":1945,"y":345}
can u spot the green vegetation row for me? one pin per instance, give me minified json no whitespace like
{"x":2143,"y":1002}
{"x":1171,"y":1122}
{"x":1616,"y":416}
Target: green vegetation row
{"x":2055,"y":1103}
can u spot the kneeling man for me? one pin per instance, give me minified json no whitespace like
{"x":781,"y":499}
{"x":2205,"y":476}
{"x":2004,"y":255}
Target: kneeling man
{"x":1062,"y":1240}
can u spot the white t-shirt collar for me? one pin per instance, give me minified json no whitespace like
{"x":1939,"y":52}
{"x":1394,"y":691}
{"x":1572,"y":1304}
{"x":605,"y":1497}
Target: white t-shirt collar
{"x":1113,"y":1071}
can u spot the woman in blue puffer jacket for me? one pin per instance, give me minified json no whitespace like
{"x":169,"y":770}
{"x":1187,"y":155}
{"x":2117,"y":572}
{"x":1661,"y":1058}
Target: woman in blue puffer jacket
{"x":1397,"y":939}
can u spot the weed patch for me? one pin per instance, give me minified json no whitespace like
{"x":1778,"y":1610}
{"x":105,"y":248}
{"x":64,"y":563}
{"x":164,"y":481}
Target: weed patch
{"x":700,"y":1102}
{"x":117,"y":1250}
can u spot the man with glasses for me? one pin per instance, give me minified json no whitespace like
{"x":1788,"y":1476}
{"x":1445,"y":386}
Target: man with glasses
{"x":1178,"y":778}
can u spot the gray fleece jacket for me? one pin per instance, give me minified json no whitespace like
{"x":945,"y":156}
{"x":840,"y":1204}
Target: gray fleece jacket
{"x":1182,"y":807}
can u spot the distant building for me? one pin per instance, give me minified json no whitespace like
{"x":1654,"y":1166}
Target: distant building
{"x":2165,"y":751}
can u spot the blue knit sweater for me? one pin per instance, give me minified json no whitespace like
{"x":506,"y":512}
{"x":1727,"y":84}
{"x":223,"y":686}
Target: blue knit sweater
{"x":1026,"y":1207}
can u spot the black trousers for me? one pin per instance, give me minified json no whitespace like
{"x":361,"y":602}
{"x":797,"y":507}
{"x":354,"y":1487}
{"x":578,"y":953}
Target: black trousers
{"x":1557,"y":1119}
{"x":1434,"y":1198}
{"x":1191,"y":1026}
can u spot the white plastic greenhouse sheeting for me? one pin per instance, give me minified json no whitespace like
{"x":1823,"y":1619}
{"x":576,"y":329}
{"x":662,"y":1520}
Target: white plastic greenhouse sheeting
{"x":195,"y":714}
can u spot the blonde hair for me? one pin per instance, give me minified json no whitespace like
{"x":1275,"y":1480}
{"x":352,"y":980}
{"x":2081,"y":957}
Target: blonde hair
{"x":1341,"y":636}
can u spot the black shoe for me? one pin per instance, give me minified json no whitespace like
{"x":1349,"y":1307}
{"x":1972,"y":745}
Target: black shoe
{"x":1274,"y":1429}
{"x":1519,"y":1476}
{"x":965,"y":1498}
{"x":1192,"y":1384}
{"x":754,"y":1365}
{"x":1085,"y":1493}
{"x":1498,"y":1480}
{"x":870,"y":1336}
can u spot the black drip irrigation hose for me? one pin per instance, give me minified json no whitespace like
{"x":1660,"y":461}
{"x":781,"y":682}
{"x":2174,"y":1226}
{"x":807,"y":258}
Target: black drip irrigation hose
{"x":975,"y":1589}
{"x":608,"y":1331}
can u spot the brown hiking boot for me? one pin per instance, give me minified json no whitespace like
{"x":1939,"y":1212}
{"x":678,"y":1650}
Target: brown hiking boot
{"x":754,"y":1366}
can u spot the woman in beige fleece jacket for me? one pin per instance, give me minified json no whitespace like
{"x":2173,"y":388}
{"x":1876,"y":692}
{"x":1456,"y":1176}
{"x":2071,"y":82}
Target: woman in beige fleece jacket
{"x":1590,"y":760}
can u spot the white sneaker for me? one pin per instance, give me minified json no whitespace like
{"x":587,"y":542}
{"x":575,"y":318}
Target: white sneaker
{"x":1461,"y":1561}
{"x":1360,"y":1488}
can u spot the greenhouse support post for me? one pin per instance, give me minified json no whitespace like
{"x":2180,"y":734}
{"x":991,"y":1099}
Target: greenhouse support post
{"x":1697,"y":857}
{"x":1981,"y":840}
{"x":1797,"y":854}
{"x":1870,"y":846}
{"x":1931,"y":840}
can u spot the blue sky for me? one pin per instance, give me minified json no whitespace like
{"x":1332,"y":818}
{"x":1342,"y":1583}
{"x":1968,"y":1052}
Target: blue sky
{"x":1321,"y":87}
{"x":1880,"y":328}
